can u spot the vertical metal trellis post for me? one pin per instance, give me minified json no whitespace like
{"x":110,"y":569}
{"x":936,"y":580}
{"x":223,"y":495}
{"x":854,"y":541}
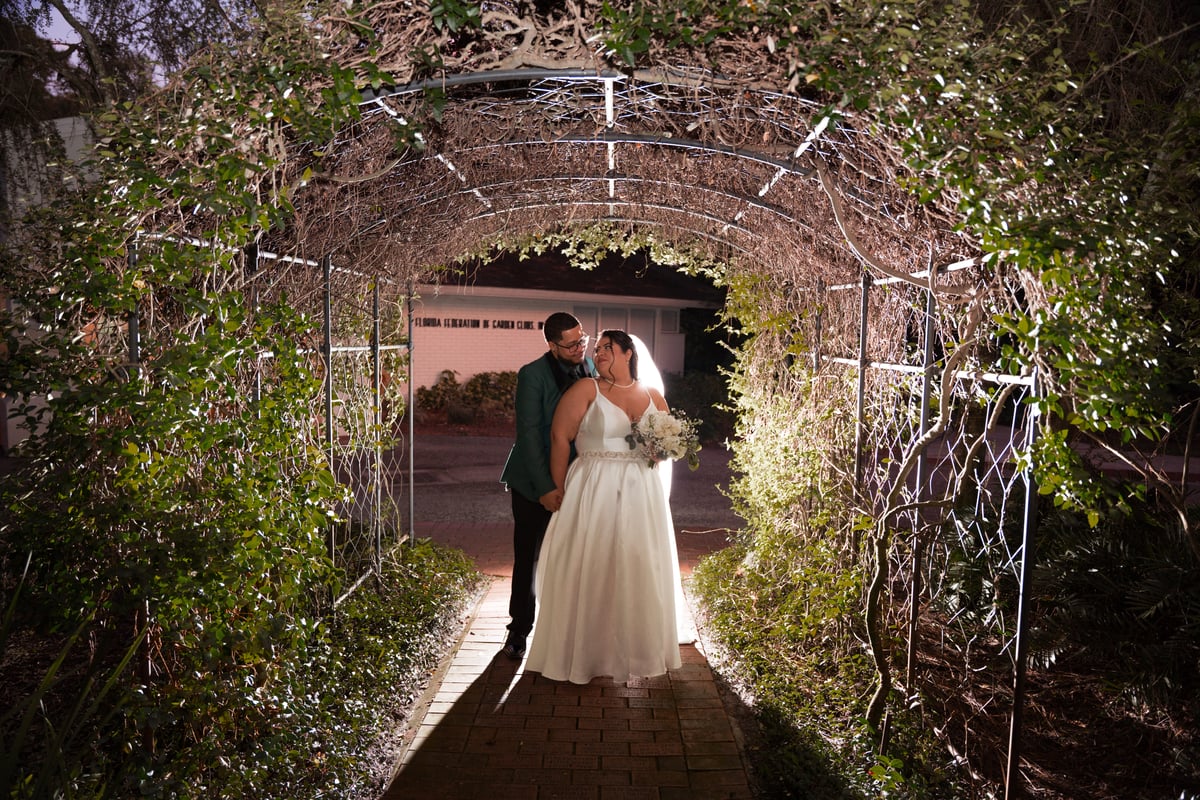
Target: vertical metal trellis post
{"x":817,"y":328}
{"x":133,"y":324}
{"x":859,"y":422}
{"x":327,"y":347}
{"x":251,"y":271}
{"x":922,"y":466}
{"x":1012,"y":773}
{"x":412,"y":413}
{"x":376,"y":370}
{"x":134,"y":332}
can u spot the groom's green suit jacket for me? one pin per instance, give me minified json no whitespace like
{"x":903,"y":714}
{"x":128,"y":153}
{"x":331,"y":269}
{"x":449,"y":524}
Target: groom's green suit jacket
{"x":527,"y":470}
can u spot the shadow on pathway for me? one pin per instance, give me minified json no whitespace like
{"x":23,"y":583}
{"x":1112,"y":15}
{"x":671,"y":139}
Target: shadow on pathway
{"x":486,"y":729}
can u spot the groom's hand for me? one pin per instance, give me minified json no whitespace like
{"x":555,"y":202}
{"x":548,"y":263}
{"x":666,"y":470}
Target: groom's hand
{"x":552,"y":500}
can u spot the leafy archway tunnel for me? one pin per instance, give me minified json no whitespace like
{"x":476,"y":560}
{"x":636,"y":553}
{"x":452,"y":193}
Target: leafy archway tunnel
{"x":790,"y":205}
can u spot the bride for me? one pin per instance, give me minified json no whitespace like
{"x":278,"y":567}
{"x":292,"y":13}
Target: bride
{"x":608,"y":575}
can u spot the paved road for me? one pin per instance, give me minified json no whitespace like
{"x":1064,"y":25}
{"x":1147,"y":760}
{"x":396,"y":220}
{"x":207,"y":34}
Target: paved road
{"x":456,"y":479}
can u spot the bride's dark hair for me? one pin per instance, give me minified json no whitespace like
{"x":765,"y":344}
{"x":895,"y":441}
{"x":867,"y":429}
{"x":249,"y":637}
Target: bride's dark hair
{"x":625,"y":342}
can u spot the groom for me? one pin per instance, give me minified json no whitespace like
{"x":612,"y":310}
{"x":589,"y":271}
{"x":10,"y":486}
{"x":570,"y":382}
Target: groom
{"x":540,"y":384}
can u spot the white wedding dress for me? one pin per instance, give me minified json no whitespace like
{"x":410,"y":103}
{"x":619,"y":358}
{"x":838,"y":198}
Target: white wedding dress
{"x":608,"y":585}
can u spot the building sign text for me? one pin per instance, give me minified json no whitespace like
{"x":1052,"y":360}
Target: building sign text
{"x":467,"y":322}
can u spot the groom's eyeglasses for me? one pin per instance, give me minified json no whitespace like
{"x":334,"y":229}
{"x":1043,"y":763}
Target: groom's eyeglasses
{"x":579,"y":344}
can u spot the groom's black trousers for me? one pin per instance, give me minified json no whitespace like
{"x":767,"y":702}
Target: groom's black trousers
{"x":530,"y":519}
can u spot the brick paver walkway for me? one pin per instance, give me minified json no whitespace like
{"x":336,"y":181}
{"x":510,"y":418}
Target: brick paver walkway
{"x":486,"y":729}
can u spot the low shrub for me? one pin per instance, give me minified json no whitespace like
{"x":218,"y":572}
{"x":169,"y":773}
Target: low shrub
{"x":306,"y":721}
{"x":485,"y":395}
{"x":705,"y":397}
{"x":492,"y":393}
{"x":438,"y":397}
{"x":784,"y":612}
{"x":1122,"y":598}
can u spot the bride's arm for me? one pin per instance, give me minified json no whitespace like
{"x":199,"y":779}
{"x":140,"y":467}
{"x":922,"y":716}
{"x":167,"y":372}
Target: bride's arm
{"x":659,"y":401}
{"x":565,"y":426}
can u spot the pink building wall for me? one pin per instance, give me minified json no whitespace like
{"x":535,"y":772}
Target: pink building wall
{"x":488,"y":329}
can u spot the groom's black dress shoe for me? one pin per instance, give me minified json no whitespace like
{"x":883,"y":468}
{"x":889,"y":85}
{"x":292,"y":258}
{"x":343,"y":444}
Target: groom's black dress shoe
{"x":514,"y":648}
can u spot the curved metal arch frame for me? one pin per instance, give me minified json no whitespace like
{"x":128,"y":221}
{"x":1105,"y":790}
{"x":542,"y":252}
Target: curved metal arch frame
{"x":616,"y":203}
{"x":873,"y":188}
{"x":750,"y":201}
{"x":527,"y":81}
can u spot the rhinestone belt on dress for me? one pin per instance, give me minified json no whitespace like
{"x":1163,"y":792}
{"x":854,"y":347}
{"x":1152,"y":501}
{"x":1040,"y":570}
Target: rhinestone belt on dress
{"x":632,"y":454}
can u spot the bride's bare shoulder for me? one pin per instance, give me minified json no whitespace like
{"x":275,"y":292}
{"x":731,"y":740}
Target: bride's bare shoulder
{"x":587,"y":388}
{"x":657,"y":398}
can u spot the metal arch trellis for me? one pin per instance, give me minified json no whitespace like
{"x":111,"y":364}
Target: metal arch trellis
{"x":895,"y":401}
{"x":641,"y":96}
{"x":359,"y":435}
{"x":503,"y":199}
{"x":622,"y":113}
{"x":972,"y":493}
{"x":758,"y":212}
{"x":620,"y":178}
{"x":619,"y":117}
{"x":490,"y":191}
{"x":358,"y":425}
{"x":685,"y":212}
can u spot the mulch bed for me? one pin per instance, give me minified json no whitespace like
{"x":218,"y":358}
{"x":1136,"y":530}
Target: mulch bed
{"x":1078,"y":740}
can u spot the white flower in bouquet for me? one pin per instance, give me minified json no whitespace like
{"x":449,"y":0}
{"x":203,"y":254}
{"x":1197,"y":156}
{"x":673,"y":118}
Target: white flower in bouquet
{"x":662,"y":436}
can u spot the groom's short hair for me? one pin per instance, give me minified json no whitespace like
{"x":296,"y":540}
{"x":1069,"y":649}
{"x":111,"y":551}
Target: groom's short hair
{"x":557,"y":324}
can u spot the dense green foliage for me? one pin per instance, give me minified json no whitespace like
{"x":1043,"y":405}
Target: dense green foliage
{"x":301,"y":722}
{"x":782,"y":613}
{"x":1064,"y":141}
{"x":173,"y":494}
{"x":1119,"y":600}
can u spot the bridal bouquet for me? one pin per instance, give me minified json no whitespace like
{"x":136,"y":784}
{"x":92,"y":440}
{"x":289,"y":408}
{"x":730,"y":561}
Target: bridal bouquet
{"x":662,"y":436}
